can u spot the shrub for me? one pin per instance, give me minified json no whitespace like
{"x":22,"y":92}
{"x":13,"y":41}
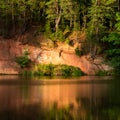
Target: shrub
{"x":113,"y":49}
{"x":66,"y":70}
{"x":77,"y":72}
{"x":101,"y":73}
{"x":59,"y":70}
{"x":28,"y":73}
{"x":42,"y":69}
{"x":23,"y":60}
{"x":78,"y":52}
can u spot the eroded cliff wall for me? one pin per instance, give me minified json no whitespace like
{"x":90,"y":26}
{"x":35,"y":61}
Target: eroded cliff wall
{"x":9,"y":49}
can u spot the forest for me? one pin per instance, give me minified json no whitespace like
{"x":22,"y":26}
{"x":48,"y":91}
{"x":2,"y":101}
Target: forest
{"x":98,"y":19}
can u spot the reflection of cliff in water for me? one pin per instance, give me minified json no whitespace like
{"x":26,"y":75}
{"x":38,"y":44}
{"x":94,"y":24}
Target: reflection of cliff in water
{"x":67,"y":94}
{"x":90,"y":99}
{"x":13,"y":96}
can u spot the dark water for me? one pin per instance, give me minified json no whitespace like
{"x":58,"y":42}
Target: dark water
{"x":84,"y":98}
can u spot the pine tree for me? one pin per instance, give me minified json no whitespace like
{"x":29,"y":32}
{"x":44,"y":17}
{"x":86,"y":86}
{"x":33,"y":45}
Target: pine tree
{"x":62,"y":12}
{"x":99,"y":11}
{"x":118,"y":21}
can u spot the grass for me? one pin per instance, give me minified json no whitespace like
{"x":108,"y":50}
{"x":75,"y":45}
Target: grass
{"x":53,"y":70}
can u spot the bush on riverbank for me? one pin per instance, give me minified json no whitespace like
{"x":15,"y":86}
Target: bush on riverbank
{"x":102,"y":73}
{"x":23,"y":60}
{"x":54,"y":70}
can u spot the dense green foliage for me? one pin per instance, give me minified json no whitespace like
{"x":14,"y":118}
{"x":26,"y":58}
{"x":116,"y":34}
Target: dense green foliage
{"x":94,"y":15}
{"x":54,"y":70}
{"x":23,"y":60}
{"x":112,"y":41}
{"x":103,"y":73}
{"x":100,"y":19}
{"x":78,"y":52}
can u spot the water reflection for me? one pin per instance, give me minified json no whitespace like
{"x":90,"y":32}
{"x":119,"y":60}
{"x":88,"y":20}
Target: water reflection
{"x":78,"y":100}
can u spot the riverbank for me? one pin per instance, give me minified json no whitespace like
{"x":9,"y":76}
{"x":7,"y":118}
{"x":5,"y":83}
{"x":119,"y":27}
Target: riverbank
{"x":45,"y":53}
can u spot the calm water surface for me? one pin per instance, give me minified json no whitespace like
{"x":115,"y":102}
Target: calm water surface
{"x":84,"y":98}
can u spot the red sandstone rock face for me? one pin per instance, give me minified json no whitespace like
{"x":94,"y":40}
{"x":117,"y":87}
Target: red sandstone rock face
{"x":16,"y":49}
{"x":9,"y":49}
{"x":65,"y":57}
{"x":54,"y":56}
{"x":8,"y":67}
{"x":81,"y":62}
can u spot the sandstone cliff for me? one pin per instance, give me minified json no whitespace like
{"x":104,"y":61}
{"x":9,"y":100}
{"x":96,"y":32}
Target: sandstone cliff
{"x":63,"y":54}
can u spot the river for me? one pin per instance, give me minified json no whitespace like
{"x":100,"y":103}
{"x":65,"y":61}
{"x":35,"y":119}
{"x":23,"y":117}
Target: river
{"x":83,"y":98}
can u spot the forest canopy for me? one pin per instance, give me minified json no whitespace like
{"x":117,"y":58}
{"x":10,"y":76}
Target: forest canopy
{"x":99,"y":19}
{"x":93,"y":15}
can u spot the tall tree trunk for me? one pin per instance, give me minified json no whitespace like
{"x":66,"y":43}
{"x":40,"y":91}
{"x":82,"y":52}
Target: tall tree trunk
{"x":98,"y":2}
{"x":58,"y":13}
{"x":84,"y":13}
{"x":84,"y":21}
{"x":13,"y":18}
{"x":118,"y":5}
{"x":57,"y":21}
{"x":75,"y":25}
{"x":71,"y":21}
{"x":6,"y":21}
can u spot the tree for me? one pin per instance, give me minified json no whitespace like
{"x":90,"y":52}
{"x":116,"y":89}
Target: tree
{"x":62,"y":13}
{"x":118,"y":21}
{"x":113,"y":45}
{"x":53,"y":12}
{"x":98,"y":13}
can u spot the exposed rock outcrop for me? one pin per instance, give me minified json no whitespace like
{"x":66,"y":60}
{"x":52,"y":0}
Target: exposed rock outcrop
{"x":9,"y":49}
{"x":57,"y":56}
